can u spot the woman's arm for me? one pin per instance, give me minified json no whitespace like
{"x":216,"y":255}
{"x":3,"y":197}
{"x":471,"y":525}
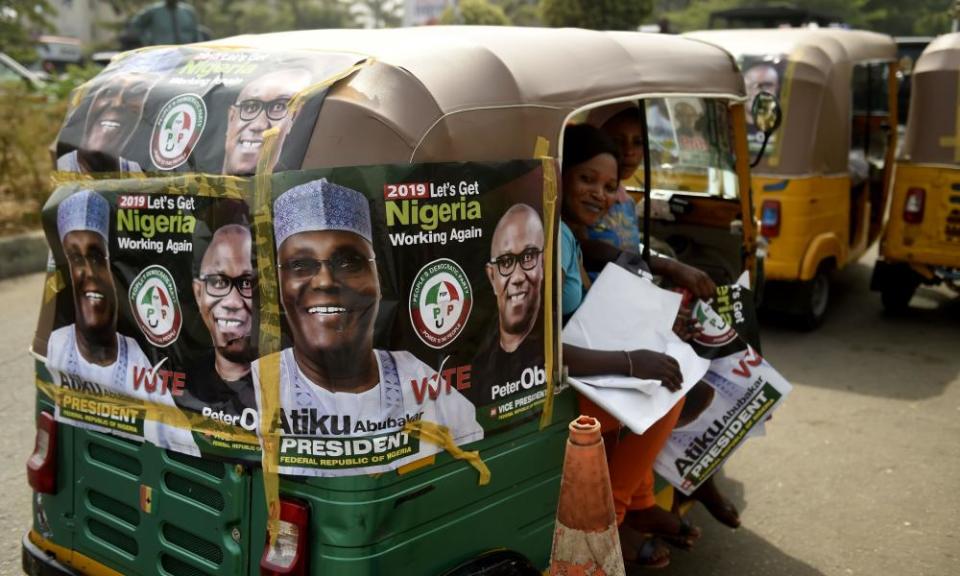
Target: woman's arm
{"x":645,"y":364}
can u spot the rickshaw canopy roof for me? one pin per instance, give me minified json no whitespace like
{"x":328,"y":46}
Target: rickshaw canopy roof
{"x":815,"y":89}
{"x":930,"y":136}
{"x":443,"y":93}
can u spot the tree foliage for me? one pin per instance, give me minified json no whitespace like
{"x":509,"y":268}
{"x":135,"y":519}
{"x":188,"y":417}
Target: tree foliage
{"x":895,"y":17}
{"x":596,"y":14}
{"x":475,"y":12}
{"x":521,"y":12}
{"x":20,"y":20}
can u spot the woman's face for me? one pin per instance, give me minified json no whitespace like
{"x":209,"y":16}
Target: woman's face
{"x":589,"y":188}
{"x":625,"y":131}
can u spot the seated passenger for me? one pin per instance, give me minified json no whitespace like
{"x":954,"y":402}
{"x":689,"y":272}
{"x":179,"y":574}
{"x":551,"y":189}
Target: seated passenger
{"x":621,"y":228}
{"x":590,"y":182}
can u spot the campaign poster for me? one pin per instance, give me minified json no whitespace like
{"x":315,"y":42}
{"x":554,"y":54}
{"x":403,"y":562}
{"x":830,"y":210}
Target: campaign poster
{"x":159,"y":306}
{"x":733,"y":400}
{"x":201,"y":110}
{"x":761,"y":74}
{"x":408,"y":293}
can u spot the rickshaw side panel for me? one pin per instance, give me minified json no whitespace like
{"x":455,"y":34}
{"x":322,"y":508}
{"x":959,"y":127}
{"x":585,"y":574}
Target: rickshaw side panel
{"x":812,"y":209}
{"x":434,"y":518}
{"x":935,"y":240}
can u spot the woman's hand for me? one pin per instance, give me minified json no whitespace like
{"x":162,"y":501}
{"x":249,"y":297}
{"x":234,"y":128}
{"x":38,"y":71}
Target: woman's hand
{"x":686,"y":326}
{"x":650,"y":365}
{"x":684,"y":276}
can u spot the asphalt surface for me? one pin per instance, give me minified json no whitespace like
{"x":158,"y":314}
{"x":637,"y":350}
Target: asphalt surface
{"x":858,"y":472}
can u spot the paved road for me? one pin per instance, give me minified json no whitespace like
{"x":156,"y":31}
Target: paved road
{"x":856,"y":475}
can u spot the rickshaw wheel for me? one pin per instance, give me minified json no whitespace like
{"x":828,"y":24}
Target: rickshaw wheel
{"x":814,"y":297}
{"x":898,"y":291}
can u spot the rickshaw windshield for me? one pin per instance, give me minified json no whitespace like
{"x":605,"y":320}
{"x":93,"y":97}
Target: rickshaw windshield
{"x":691,"y":147}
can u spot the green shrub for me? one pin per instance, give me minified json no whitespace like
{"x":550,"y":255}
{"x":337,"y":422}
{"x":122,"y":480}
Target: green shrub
{"x":29,"y":122}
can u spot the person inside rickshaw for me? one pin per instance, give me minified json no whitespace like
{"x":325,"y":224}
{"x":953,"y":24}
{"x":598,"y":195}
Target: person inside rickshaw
{"x":590,"y":183}
{"x":620,"y":228}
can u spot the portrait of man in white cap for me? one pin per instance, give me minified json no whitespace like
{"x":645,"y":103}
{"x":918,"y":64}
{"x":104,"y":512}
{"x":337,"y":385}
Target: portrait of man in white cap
{"x":260,"y":105}
{"x":89,"y":355}
{"x":340,"y":397}
{"x":111,"y":120}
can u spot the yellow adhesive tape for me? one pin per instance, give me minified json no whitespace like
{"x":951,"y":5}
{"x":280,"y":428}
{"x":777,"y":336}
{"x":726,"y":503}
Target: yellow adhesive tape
{"x":127,"y":406}
{"x":269,"y":342}
{"x":549,"y":251}
{"x":440,"y":435}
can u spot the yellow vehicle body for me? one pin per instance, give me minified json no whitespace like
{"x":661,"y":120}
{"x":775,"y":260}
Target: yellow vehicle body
{"x":921,"y":242}
{"x":935,"y":241}
{"x":818,"y":231}
{"x":820,"y":183}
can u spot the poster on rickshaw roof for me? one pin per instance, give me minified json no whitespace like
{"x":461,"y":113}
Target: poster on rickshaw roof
{"x":734,"y":399}
{"x":402,"y":294}
{"x":761,"y":74}
{"x":190,"y":109}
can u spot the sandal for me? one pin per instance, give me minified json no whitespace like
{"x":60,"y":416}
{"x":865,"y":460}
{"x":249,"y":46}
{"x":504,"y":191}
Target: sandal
{"x":682,"y":534}
{"x":651,"y":554}
{"x":647,"y":552}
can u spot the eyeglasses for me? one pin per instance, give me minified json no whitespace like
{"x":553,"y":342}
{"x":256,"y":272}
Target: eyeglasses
{"x":506,"y":262}
{"x":220,"y":285}
{"x":250,"y":109}
{"x":340,"y":265}
{"x":96,"y":259}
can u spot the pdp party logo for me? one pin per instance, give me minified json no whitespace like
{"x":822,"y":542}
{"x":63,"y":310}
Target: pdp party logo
{"x":716,"y":332}
{"x":154,"y":302}
{"x":440,"y":302}
{"x":177,"y":130}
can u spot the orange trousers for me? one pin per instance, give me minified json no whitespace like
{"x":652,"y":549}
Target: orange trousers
{"x":631,"y":456}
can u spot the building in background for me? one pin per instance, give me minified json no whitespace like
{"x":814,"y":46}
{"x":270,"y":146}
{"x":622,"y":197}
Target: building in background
{"x":86,"y":20}
{"x":421,"y":12}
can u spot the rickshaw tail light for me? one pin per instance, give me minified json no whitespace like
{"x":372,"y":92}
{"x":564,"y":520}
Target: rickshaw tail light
{"x":288,"y":554}
{"x":770,"y":218}
{"x":42,"y":464}
{"x":913,"y":207}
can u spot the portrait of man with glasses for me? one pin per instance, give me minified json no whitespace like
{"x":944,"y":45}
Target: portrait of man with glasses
{"x":515,"y":272}
{"x":89,"y":355}
{"x":260,"y":105}
{"x":224,"y":285}
{"x":338,"y":395}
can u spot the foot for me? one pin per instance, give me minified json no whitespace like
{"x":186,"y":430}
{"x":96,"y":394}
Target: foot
{"x":640,"y":550}
{"x":659,"y":522}
{"x":719,"y":507}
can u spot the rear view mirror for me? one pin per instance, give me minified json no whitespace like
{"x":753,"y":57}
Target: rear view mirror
{"x":766,"y":113}
{"x":767,"y":116}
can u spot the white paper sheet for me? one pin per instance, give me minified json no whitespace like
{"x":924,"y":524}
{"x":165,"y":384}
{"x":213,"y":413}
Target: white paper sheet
{"x":624,"y":312}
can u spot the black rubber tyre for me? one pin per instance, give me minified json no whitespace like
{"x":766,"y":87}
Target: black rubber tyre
{"x":813,"y":296}
{"x":898,"y":290}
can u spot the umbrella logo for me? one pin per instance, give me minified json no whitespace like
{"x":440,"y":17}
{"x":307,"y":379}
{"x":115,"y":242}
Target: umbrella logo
{"x":440,"y":302}
{"x":178,"y":128}
{"x":155,"y":306}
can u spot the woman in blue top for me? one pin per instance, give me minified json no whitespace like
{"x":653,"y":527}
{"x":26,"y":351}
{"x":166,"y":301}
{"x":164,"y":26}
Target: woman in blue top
{"x":589,"y":184}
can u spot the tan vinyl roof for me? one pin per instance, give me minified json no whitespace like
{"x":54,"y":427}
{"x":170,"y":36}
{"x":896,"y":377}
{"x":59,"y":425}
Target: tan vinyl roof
{"x":486,"y":93}
{"x":934,"y":103}
{"x":815,"y":135}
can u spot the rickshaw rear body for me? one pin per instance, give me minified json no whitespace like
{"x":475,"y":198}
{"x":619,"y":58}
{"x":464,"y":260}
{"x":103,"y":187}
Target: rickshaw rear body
{"x":921,"y":241}
{"x":820,"y":188}
{"x":122,"y":506}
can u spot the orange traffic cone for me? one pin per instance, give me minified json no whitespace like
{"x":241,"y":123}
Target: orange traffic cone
{"x":586,"y":541}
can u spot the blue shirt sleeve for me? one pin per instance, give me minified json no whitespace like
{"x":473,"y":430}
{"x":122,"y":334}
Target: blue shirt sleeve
{"x":570,"y":257}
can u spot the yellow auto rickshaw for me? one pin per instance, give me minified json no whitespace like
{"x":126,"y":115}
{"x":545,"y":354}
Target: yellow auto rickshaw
{"x":820,"y":187}
{"x":186,"y":171}
{"x":921,"y":242}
